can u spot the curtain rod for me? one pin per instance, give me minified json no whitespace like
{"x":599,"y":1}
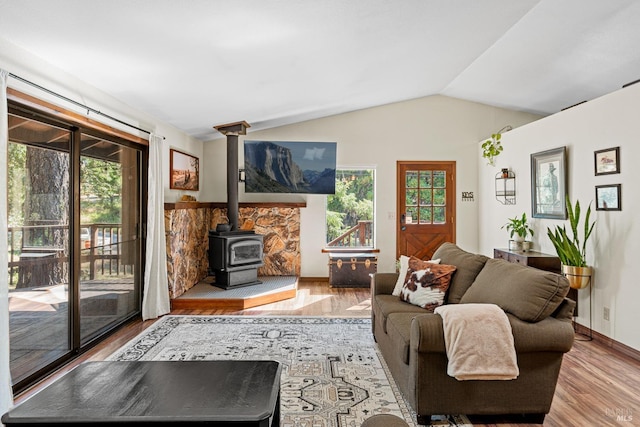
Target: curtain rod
{"x":93,"y":110}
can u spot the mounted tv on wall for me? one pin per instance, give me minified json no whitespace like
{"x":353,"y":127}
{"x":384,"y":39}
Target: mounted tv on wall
{"x":290,"y":167}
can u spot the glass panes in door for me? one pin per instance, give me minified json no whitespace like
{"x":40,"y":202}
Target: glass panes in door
{"x":38,"y":180}
{"x":109,"y":222}
{"x":425,"y":196}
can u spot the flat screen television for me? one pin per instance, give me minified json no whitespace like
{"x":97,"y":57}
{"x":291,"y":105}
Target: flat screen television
{"x":290,"y":167}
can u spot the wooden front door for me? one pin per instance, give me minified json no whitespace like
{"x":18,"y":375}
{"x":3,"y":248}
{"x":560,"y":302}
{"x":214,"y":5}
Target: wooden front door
{"x":426,"y":209}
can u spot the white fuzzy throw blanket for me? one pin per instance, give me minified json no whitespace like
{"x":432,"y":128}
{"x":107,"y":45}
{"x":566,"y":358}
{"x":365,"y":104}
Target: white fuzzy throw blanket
{"x":479,"y":342}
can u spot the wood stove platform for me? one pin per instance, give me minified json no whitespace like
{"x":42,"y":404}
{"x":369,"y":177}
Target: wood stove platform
{"x":205,"y":295}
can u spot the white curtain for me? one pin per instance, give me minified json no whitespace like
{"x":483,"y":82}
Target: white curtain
{"x":6,"y":394}
{"x":156,"y":288}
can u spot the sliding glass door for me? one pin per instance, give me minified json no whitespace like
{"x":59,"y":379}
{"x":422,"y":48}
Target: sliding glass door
{"x":38,"y":181}
{"x":75,"y":266}
{"x":110,"y":247}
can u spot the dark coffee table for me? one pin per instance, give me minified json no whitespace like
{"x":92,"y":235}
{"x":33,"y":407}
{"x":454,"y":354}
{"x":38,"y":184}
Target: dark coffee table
{"x":230,"y":393}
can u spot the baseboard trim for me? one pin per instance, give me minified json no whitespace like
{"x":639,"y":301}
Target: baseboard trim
{"x":608,"y":342}
{"x":313,"y":279}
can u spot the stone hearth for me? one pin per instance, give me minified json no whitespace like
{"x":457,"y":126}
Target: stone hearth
{"x":187,"y":226}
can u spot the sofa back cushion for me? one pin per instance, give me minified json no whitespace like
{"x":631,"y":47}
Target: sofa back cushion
{"x":527,"y":293}
{"x":468,"y":266}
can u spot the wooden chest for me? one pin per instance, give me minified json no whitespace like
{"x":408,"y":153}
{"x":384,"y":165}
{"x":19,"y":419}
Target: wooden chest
{"x":351,"y":270}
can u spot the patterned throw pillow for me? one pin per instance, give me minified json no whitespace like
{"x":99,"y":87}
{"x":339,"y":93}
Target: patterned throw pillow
{"x":404,"y":266}
{"x":426,"y":283}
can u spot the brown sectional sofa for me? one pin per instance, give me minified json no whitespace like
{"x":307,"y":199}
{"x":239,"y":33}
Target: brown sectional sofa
{"x":411,"y":339}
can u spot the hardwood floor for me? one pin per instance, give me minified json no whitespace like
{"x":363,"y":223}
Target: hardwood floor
{"x":598,"y":386}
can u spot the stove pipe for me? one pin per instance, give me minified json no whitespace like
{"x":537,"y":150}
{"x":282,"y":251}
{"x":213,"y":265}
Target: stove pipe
{"x":232,"y":181}
{"x":231,"y":131}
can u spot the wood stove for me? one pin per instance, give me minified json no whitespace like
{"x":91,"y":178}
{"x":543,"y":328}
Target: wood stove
{"x":234,"y":257}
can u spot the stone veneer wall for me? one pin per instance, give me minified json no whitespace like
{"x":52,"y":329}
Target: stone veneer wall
{"x":187,"y":232}
{"x":187,"y":228}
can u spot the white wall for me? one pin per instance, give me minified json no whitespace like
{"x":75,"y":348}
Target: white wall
{"x":609,"y":121}
{"x":430,"y":128}
{"x":23,"y":64}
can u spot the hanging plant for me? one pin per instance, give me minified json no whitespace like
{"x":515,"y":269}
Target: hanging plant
{"x":491,"y":148}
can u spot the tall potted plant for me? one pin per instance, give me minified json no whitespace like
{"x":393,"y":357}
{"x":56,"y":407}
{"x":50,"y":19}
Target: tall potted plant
{"x":571,"y":249}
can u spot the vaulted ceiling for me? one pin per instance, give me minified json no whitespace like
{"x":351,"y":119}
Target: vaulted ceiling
{"x":200,"y":63}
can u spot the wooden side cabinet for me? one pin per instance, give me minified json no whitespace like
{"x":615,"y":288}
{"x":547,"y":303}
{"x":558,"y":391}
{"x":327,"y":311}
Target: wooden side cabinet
{"x":537,"y":260}
{"x":531,"y":259}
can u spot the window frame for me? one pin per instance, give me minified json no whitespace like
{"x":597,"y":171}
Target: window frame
{"x":357,"y":248}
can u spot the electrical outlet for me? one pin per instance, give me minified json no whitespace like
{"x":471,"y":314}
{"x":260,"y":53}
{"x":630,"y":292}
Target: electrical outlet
{"x":605,"y":313}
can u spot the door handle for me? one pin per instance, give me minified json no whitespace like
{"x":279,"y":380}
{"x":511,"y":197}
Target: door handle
{"x":403,"y":221}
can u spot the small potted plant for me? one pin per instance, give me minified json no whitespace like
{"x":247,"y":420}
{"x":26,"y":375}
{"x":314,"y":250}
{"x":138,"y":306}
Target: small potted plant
{"x":519,"y":229}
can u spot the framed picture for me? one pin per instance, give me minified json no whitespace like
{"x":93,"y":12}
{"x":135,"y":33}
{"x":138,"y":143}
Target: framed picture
{"x":607,"y":161}
{"x":548,"y":184}
{"x":608,"y":197}
{"x":184,"y":171}
{"x":316,"y":161}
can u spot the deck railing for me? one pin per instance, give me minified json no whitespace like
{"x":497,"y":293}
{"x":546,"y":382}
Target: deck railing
{"x":38,"y":254}
{"x":360,"y":234}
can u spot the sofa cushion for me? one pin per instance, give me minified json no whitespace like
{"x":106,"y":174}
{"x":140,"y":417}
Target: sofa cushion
{"x":402,"y":272}
{"x":388,"y":304}
{"x":527,"y":293}
{"x":468,"y":266}
{"x":399,"y":331}
{"x":426,"y":283}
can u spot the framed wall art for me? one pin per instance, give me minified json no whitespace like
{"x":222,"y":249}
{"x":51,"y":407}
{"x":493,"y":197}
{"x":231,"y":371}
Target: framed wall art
{"x":607,"y":161}
{"x":608,"y":197}
{"x":184,"y":171}
{"x":309,"y":167}
{"x":548,"y":184}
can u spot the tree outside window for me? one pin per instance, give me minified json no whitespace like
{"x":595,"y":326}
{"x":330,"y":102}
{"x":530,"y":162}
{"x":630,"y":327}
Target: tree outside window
{"x":350,"y":212}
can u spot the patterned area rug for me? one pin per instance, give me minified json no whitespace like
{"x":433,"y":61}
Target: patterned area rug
{"x":333,"y":375}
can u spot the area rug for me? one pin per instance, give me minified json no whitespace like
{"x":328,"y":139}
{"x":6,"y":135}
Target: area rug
{"x":333,"y":375}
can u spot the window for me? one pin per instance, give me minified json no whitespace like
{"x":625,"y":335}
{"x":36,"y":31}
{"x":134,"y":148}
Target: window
{"x":350,"y":211}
